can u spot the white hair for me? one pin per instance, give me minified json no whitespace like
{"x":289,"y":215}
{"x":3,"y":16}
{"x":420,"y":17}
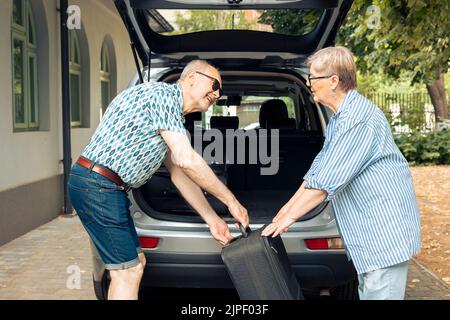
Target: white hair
{"x":336,"y":60}
{"x":195,"y":65}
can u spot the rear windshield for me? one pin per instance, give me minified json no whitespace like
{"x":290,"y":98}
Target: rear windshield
{"x":282,"y":21}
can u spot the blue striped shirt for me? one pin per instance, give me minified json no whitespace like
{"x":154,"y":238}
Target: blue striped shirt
{"x":369,"y":185}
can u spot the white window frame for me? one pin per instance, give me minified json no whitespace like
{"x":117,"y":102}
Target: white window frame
{"x":75,"y":69}
{"x":35,"y":91}
{"x":21,"y":33}
{"x":105,"y":75}
{"x":18,"y":26}
{"x":20,"y":125}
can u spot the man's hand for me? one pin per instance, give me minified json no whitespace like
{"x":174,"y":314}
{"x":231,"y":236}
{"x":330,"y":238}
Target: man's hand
{"x":275,"y":228}
{"x":239,"y":213}
{"x":219,"y":230}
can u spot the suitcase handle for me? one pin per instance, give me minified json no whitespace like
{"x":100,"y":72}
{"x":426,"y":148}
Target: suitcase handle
{"x":244,"y":231}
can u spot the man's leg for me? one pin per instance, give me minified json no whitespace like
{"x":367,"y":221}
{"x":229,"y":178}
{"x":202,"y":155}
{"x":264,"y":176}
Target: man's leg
{"x":125,"y":283}
{"x":104,"y":212}
{"x":142,"y":259}
{"x":384,"y":284}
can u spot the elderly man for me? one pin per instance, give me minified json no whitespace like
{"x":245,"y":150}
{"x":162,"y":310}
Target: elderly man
{"x":142,"y":127}
{"x":362,"y":172}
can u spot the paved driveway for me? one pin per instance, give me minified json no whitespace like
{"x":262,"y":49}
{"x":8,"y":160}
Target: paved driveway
{"x":53,"y":262}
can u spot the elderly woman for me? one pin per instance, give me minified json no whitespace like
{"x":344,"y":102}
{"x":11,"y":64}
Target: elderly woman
{"x":362,"y":172}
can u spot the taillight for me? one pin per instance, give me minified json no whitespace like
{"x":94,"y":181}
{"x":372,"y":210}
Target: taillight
{"x":324,"y":243}
{"x":148,"y":242}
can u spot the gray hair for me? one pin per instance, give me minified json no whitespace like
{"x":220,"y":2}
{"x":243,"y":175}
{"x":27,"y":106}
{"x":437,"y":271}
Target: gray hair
{"x":195,"y":65}
{"x":338,"y":61}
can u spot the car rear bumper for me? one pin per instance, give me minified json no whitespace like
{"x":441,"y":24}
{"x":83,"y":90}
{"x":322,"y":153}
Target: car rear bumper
{"x":193,"y":270}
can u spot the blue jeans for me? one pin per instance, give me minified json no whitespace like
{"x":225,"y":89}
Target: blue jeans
{"x":103,"y":208}
{"x":384,"y":284}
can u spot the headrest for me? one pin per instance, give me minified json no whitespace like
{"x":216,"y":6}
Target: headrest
{"x":281,"y":123}
{"x":272,"y":109}
{"x":231,"y":122}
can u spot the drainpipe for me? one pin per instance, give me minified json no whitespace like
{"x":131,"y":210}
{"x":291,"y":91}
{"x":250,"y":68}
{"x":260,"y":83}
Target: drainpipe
{"x":67,"y":157}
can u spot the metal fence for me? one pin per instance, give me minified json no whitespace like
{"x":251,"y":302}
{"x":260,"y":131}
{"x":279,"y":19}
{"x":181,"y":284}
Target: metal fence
{"x":406,"y":111}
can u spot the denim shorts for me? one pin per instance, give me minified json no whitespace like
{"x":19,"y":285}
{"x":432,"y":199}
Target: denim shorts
{"x":103,"y":208}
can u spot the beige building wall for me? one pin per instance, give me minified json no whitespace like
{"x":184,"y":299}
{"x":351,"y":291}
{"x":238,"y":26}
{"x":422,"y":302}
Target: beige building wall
{"x":31,"y":190}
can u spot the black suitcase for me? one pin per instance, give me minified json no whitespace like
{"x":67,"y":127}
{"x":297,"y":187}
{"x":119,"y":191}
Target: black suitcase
{"x":259,"y":267}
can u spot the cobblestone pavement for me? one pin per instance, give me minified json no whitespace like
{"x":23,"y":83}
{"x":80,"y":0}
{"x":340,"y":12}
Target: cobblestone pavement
{"x":43,"y":263}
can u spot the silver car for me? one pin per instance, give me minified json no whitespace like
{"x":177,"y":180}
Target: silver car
{"x":268,"y":121}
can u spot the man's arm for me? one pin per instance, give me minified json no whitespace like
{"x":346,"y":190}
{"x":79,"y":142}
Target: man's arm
{"x":194,"y":196}
{"x":192,"y":164}
{"x":190,"y":191}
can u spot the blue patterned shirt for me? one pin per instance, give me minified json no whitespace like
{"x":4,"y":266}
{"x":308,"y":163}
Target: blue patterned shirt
{"x":128,"y":140}
{"x":369,"y":185}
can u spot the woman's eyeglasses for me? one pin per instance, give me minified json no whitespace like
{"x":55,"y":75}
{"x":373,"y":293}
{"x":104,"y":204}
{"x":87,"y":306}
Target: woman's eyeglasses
{"x":315,"y":78}
{"x":215,"y":85}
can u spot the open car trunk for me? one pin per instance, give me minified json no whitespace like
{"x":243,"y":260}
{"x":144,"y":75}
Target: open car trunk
{"x":262,"y":195}
{"x":238,"y":155}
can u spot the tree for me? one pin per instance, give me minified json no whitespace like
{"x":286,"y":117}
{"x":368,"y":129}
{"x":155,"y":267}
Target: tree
{"x":201,"y":20}
{"x":403,"y":38}
{"x":291,"y":22}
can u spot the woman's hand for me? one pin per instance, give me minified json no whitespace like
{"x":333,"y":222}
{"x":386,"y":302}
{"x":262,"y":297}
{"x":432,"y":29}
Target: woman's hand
{"x":276,"y":228}
{"x":281,"y":213}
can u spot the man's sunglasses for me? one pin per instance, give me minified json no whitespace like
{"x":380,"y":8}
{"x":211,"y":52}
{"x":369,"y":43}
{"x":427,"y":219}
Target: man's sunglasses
{"x":215,"y":85}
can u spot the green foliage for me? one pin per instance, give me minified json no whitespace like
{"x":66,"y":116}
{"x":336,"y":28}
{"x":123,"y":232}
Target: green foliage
{"x":380,"y":82}
{"x":410,"y":37}
{"x":201,"y":20}
{"x":217,"y":110}
{"x":290,"y":106}
{"x":289,"y":21}
{"x":429,"y":148}
{"x":403,"y":38}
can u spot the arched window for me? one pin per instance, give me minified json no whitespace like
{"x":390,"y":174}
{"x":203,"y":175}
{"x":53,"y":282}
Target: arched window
{"x":24,"y":67}
{"x":75,"y":74}
{"x":105,"y":77}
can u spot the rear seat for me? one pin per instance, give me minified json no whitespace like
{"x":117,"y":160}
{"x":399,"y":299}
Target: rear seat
{"x":235,"y":173}
{"x":296,"y":152}
{"x":289,"y":124}
{"x":297,"y":149}
{"x":223,"y":123}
